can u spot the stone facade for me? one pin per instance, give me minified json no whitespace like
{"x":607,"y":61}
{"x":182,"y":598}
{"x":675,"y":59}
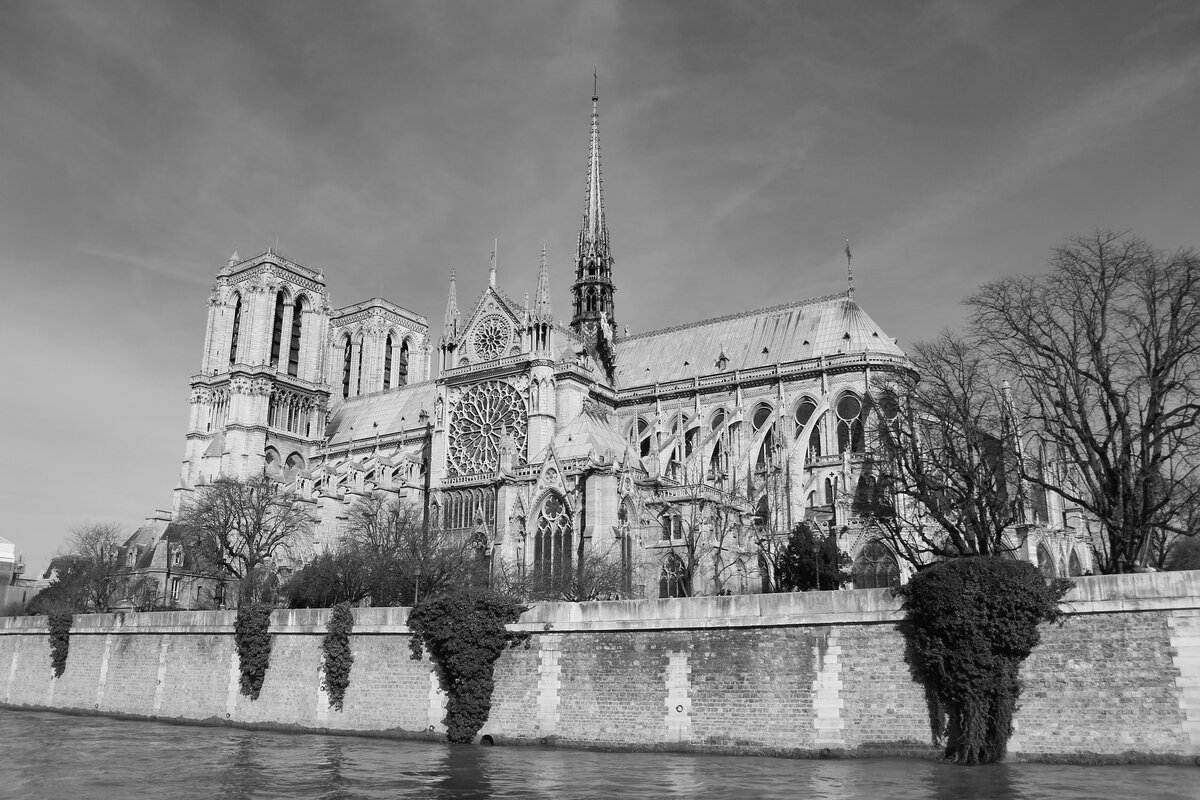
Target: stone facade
{"x":785,"y":674}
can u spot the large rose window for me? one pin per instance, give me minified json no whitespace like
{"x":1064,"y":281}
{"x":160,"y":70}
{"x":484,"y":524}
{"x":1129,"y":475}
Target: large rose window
{"x":485,"y":413}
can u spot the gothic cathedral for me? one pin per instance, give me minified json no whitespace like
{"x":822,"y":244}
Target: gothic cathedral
{"x":671,"y":453}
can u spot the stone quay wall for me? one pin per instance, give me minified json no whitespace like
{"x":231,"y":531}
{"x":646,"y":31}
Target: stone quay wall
{"x":821,"y":673}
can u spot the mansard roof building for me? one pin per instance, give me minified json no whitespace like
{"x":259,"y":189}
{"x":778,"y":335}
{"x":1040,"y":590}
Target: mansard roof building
{"x":542,"y":440}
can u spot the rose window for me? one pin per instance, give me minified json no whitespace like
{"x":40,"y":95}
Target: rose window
{"x":483,"y":415}
{"x":492,"y":338}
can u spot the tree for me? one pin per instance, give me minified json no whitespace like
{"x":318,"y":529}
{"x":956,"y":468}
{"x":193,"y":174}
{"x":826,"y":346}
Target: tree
{"x":943,"y":479}
{"x":593,"y":576}
{"x":1105,"y":355}
{"x":238,"y":529}
{"x":700,"y":544}
{"x":387,"y":555}
{"x":85,"y":572}
{"x":810,"y":561}
{"x":99,"y":546}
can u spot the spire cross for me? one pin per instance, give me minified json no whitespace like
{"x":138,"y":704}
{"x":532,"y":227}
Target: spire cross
{"x":595,"y":83}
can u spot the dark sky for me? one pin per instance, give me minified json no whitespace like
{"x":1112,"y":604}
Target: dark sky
{"x":387,"y":143}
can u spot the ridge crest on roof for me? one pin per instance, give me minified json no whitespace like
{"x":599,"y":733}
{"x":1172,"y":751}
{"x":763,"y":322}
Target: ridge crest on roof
{"x":740,"y":315}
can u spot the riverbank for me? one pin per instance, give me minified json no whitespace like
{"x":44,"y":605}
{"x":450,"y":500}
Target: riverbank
{"x":811,"y":675}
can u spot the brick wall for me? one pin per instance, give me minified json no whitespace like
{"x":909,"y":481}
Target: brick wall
{"x":785,"y":674}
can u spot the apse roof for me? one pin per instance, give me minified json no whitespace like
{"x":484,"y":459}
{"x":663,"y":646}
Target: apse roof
{"x":385,"y":409}
{"x":824,"y":326}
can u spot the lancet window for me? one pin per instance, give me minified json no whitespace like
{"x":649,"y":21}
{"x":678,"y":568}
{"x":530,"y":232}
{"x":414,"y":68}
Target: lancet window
{"x":804,"y":413}
{"x":346,"y":362}
{"x":464,"y":509}
{"x":402,"y":365}
{"x":850,"y":424}
{"x":640,"y":436}
{"x":289,"y":411}
{"x":552,"y":543}
{"x":294,"y":345}
{"x":237,"y":325}
{"x":277,"y":330}
{"x":387,"y":363}
{"x":673,"y":581}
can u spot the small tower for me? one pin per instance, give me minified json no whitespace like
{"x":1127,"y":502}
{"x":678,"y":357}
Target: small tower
{"x":592,"y":291}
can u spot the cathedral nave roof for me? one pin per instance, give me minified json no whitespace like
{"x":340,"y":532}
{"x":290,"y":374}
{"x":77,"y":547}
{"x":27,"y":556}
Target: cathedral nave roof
{"x":365,"y":416}
{"x":825,"y":326}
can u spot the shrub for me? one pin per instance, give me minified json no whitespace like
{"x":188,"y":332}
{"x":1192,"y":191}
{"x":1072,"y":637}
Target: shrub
{"x":338,"y":658}
{"x":971,"y":622}
{"x":253,"y":646}
{"x":60,"y":641}
{"x":465,"y":632}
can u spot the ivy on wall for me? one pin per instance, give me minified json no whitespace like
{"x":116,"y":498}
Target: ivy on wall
{"x":970,"y":624}
{"x":253,"y":646}
{"x":60,"y":640}
{"x":338,"y":658}
{"x":465,"y":632}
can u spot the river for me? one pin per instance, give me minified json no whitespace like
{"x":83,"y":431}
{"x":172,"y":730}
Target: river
{"x":50,"y":756}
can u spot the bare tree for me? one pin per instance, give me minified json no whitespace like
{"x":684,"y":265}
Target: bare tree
{"x":1105,"y":353}
{"x":238,"y":529}
{"x":701,"y":543}
{"x":944,"y":476}
{"x":98,"y":548}
{"x":593,"y":575}
{"x":401,"y":556}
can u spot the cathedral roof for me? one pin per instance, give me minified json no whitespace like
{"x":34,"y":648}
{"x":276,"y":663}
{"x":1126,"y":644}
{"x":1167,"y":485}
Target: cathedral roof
{"x":354,"y":417}
{"x":592,"y":432}
{"x":825,"y":326}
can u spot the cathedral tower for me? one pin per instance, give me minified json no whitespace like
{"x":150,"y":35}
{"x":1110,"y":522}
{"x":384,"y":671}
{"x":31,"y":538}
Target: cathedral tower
{"x":259,"y":400}
{"x":592,"y":291}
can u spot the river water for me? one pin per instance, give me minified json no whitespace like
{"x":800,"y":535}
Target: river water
{"x":46,"y":755}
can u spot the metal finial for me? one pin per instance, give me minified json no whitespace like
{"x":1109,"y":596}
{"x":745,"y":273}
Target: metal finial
{"x":595,"y":83}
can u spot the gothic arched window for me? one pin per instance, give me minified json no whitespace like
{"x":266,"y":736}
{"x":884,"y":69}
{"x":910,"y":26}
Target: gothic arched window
{"x":766,"y":451}
{"x":387,"y":363}
{"x":804,"y":413}
{"x":277,"y":330}
{"x":294,"y":346}
{"x":875,"y":567}
{"x":623,"y":527}
{"x":640,"y":435}
{"x":347,"y":350}
{"x":402,"y":365}
{"x":1075,"y":567}
{"x":237,"y":324}
{"x":673,"y":582}
{"x":850,"y":426}
{"x":359,"y":366}
{"x":552,"y":544}
{"x":1045,"y":562}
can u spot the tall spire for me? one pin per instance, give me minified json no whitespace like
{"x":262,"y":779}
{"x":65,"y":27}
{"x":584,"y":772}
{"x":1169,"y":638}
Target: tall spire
{"x":542,"y":299}
{"x":450,"y":329}
{"x":592,"y":291}
{"x":849,"y":272}
{"x":492,"y":270}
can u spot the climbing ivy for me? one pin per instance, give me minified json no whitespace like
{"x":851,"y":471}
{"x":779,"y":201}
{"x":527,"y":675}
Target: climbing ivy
{"x":253,"y":646}
{"x":465,"y":632}
{"x":970,"y":624}
{"x":60,"y":640}
{"x":338,"y":658}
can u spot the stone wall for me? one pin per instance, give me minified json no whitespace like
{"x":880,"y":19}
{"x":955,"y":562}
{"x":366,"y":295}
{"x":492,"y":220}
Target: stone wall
{"x":786,"y":674}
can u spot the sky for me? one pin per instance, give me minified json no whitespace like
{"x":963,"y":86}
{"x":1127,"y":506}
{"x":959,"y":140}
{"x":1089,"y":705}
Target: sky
{"x":388,"y":143}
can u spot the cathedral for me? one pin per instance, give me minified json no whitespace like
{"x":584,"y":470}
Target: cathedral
{"x":671,"y":452}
